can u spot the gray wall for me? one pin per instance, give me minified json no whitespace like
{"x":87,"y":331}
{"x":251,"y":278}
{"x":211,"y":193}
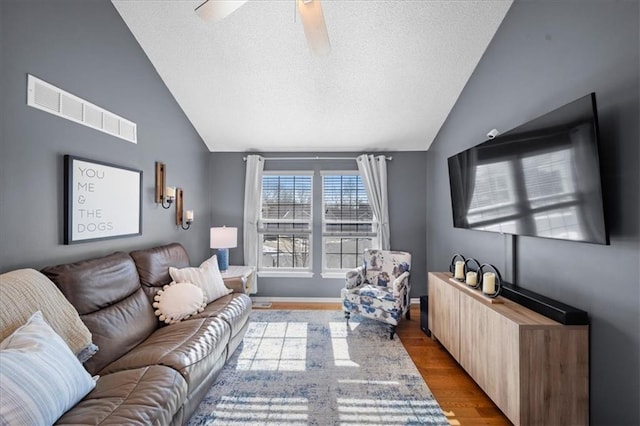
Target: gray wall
{"x":407,"y":209}
{"x":85,"y":48}
{"x":545,"y":54}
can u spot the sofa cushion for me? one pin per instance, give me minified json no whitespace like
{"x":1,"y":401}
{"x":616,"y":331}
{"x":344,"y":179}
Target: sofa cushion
{"x":119,"y":328}
{"x":107,"y":293}
{"x":93,"y":284}
{"x":178,"y":301}
{"x":234,"y":309}
{"x":25,"y":291}
{"x":190,"y":347}
{"x":207,"y":277}
{"x":40,"y":378}
{"x":144,"y":396}
{"x":153,"y":265}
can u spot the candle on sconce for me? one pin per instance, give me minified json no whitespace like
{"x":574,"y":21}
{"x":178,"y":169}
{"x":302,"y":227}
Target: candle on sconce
{"x":170,"y":191}
{"x":459,"y":272}
{"x":188,"y":215}
{"x":472,"y":278}
{"x":489,"y":283}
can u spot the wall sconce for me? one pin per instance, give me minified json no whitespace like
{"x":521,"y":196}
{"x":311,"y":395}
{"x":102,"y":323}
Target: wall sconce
{"x":223,"y":239}
{"x":163,"y":193}
{"x":188,"y":215}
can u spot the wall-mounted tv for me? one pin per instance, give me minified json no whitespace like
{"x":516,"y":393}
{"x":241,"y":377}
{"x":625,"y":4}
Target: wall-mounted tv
{"x":539,"y":179}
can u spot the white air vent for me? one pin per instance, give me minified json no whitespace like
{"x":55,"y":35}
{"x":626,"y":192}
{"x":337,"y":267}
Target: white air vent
{"x":92,"y":116}
{"x":71,"y":107}
{"x":110,"y":123}
{"x":46,"y":97}
{"x":127,"y":130}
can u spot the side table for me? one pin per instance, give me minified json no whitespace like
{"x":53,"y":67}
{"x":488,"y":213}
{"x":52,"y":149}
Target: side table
{"x":239,"y":276}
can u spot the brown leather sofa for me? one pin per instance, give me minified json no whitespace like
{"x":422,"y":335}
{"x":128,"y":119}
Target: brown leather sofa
{"x":150,"y":373}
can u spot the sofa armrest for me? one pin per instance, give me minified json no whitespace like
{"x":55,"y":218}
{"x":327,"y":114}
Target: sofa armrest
{"x":354,"y":277}
{"x":401,"y":284}
{"x":235,"y":283}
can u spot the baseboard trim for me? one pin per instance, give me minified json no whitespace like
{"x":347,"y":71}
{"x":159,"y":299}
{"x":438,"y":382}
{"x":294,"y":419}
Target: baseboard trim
{"x":297,"y":299}
{"x":413,"y":301}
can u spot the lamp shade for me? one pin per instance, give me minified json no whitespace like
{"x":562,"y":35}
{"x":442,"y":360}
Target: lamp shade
{"x":223,"y":237}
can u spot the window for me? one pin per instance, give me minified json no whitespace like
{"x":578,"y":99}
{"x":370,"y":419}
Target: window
{"x":348,"y":226}
{"x":286,"y":221}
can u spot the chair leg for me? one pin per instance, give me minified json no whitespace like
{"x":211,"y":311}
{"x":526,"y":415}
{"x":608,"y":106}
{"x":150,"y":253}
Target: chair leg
{"x":408,"y":314}
{"x":392,"y":331}
{"x":347,"y":315}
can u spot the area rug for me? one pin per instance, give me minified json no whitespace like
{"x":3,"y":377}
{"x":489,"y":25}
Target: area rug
{"x":309,"y":368}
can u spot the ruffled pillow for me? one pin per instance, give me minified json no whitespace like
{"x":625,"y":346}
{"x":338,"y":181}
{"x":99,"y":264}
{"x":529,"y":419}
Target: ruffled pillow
{"x":207,"y":277}
{"x":178,"y":301}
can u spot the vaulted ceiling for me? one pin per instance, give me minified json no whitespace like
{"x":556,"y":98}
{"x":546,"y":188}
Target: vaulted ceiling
{"x":249,"y":82}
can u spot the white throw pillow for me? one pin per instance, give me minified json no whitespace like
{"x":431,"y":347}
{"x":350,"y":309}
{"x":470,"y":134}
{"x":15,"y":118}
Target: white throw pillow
{"x":178,"y":301}
{"x":40,"y":378}
{"x":207,"y":277}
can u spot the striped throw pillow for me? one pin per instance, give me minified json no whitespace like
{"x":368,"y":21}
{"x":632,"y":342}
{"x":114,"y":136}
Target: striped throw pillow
{"x":207,"y":277}
{"x":40,"y":378}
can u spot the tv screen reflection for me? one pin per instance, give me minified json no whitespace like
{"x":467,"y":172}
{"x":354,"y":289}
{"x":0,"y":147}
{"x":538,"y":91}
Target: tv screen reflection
{"x":537,"y":181}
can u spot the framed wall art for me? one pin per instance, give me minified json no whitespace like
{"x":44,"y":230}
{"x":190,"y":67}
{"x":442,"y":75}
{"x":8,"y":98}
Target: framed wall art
{"x":102,"y":200}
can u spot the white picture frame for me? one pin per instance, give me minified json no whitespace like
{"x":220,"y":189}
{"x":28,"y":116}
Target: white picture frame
{"x":102,"y":200}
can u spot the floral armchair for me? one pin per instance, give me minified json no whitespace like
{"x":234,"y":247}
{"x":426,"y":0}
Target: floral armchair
{"x":379,"y":289}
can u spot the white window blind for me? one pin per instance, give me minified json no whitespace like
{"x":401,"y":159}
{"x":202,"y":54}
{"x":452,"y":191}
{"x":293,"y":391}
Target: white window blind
{"x":286,"y":221}
{"x":348,"y":224}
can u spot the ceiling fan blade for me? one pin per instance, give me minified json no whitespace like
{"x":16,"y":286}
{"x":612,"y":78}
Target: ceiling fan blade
{"x":315,"y":29}
{"x":217,"y":10}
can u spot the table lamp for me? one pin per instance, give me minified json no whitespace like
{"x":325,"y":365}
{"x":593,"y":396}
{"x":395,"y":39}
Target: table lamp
{"x":223,"y":238}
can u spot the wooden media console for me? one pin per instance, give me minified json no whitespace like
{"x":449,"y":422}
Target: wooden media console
{"x":535,"y":369}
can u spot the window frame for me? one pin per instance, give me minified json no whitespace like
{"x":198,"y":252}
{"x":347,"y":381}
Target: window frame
{"x":373,"y":234}
{"x":265,"y":271}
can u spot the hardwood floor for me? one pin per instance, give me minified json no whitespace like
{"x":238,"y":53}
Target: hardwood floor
{"x":461,"y":399}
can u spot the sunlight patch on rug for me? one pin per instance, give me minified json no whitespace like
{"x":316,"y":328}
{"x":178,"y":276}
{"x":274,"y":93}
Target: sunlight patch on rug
{"x":309,"y":368}
{"x":274,"y":346}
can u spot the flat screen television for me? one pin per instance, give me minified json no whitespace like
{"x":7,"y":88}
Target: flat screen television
{"x":540,"y":179}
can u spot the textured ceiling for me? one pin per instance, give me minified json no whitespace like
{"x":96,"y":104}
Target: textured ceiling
{"x":249,"y":82}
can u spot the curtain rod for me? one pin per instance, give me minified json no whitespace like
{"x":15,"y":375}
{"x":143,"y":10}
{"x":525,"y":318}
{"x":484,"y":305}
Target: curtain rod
{"x":312,"y":158}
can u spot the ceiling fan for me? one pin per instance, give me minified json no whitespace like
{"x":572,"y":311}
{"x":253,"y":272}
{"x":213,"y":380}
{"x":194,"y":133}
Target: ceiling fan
{"x":310,"y":12}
